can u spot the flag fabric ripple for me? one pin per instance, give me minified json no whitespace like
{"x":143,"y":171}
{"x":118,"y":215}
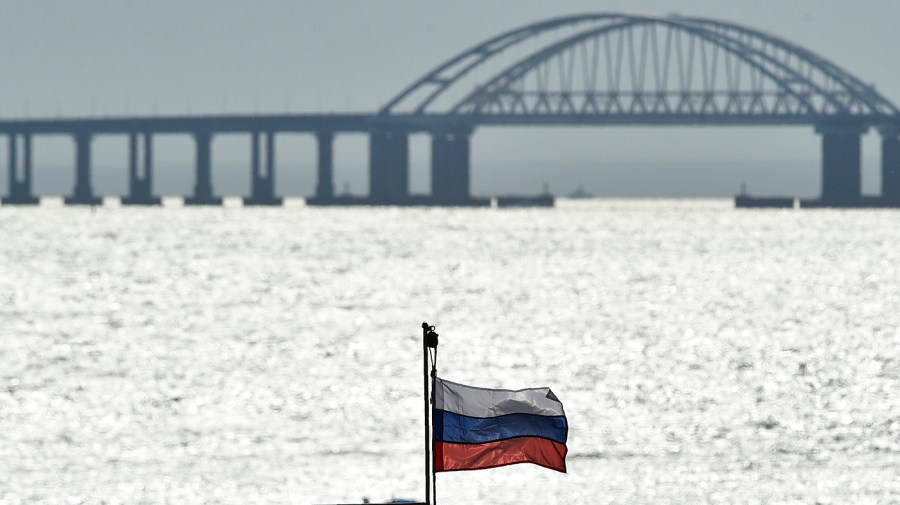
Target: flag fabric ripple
{"x":476,"y":428}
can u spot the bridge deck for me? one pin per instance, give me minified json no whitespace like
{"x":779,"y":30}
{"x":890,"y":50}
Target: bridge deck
{"x":238,"y":123}
{"x":364,"y":123}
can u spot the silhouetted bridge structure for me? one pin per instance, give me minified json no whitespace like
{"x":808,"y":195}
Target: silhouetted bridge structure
{"x":585,"y":70}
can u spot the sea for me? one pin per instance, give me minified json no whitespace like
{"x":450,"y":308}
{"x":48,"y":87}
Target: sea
{"x":273,"y":356}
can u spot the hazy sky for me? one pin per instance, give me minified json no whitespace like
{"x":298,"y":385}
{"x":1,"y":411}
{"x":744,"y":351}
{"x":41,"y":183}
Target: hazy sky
{"x":141,"y":57}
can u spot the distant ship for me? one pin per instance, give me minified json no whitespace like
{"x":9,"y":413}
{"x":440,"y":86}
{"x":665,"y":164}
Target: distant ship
{"x":580,"y":193}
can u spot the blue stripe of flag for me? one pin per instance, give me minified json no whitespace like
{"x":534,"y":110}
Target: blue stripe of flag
{"x":451,"y":427}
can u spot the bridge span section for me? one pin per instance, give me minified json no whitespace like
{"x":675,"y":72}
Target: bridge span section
{"x":613,"y":69}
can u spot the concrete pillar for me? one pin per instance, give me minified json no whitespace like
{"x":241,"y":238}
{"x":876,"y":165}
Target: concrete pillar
{"x":13,"y":163}
{"x":203,"y":193}
{"x":133,"y":176}
{"x":841,"y":166}
{"x":20,"y":173}
{"x":389,"y":167}
{"x":450,"y":178}
{"x":23,"y":175}
{"x":266,"y":181}
{"x":147,"y":172}
{"x":325,"y":168}
{"x":254,"y":153}
{"x":262,"y":181}
{"x":84,"y":193}
{"x":890,"y":167}
{"x":140,"y":172}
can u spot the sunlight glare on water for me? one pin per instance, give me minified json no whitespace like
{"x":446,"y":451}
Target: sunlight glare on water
{"x":703,"y":354}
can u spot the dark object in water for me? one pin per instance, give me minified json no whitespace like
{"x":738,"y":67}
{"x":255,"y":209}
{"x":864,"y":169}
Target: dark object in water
{"x":580,"y":193}
{"x":525,"y":201}
{"x":750,"y":202}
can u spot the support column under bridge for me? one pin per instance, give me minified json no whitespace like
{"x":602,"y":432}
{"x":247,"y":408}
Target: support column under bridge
{"x":450,"y":169}
{"x":20,"y":172}
{"x":140,"y":171}
{"x":324,"y":194}
{"x":84,"y":192}
{"x":890,"y":166}
{"x":262,"y":179}
{"x":841,"y":165}
{"x":203,"y":192}
{"x":389,"y":167}
{"x":325,"y":166}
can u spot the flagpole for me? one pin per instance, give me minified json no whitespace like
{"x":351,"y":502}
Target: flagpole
{"x":427,"y":428}
{"x":429,"y":340}
{"x":433,"y":452}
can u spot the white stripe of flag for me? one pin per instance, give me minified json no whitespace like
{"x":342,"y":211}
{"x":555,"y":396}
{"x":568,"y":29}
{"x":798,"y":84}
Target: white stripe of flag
{"x":481,"y":402}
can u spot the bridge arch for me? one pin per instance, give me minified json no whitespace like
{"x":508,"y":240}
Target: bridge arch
{"x":676,"y":69}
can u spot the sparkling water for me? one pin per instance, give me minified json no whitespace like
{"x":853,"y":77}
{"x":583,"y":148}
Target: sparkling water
{"x":235,"y":356}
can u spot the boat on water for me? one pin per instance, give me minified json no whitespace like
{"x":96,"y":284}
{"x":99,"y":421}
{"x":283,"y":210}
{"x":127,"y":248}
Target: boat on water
{"x":580,"y":193}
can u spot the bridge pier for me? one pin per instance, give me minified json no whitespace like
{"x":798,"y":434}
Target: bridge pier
{"x":262,"y":182}
{"x":20,"y":174}
{"x":325,"y":167}
{"x":389,"y":167}
{"x":841,"y":165}
{"x":890,"y":167}
{"x":140,"y":174}
{"x":450,"y":172}
{"x":84,"y":192}
{"x":203,"y":193}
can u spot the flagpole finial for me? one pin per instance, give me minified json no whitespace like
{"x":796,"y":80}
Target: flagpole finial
{"x":431,"y":338}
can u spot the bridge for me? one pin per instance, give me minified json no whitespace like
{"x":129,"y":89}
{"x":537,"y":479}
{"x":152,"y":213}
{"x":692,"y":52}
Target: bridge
{"x":583,"y":70}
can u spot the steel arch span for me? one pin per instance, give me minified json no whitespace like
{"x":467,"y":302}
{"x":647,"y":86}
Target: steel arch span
{"x":633,"y":69}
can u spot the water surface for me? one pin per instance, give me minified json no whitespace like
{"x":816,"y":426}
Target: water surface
{"x":183,"y":355}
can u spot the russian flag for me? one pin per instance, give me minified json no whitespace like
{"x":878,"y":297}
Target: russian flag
{"x":476,"y":428}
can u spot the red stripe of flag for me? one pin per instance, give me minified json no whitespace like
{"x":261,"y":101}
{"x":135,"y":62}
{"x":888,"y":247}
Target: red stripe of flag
{"x":540,"y":451}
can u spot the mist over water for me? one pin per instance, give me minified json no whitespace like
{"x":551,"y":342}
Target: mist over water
{"x":224,"y":355}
